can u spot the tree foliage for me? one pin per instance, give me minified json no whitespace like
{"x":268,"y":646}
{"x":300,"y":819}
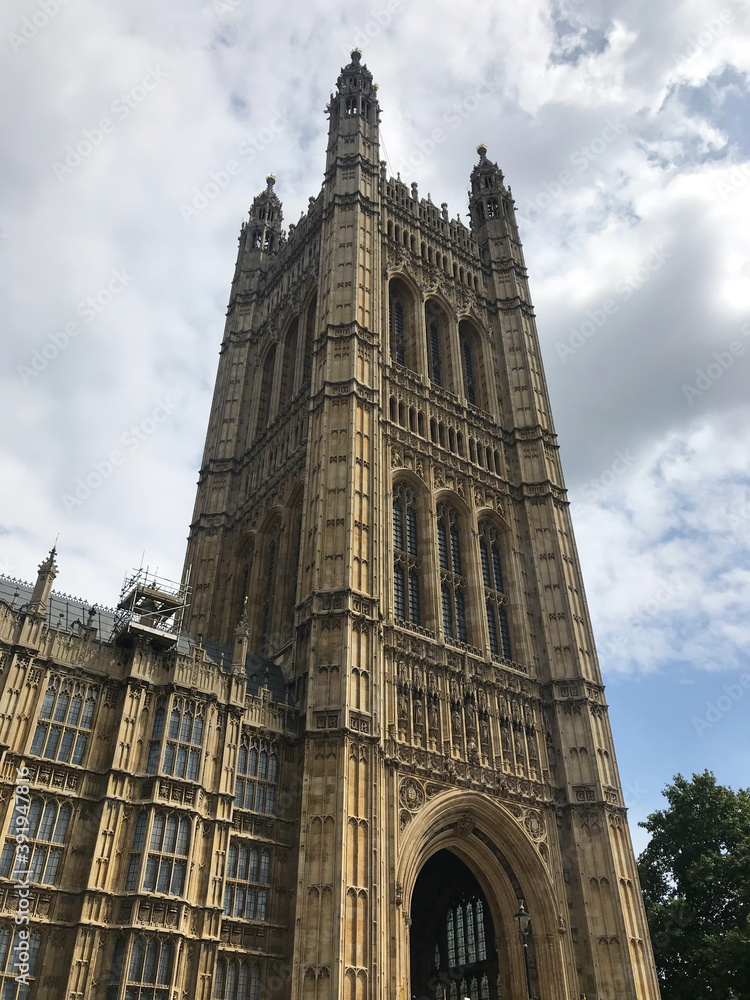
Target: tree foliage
{"x":695,"y":876}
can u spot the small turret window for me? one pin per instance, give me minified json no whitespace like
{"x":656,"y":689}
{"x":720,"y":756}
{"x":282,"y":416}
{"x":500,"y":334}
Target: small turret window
{"x":492,"y":209}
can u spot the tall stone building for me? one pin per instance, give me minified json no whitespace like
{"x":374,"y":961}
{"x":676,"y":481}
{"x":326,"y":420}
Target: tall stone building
{"x":367,"y":735}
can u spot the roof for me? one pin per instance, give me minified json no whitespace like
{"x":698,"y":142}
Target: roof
{"x":64,"y":611}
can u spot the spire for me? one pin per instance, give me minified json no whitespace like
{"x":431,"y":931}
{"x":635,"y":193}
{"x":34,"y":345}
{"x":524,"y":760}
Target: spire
{"x":43,"y":586}
{"x":354,"y":111}
{"x":487,"y":190}
{"x":266,"y":215}
{"x":241,"y":637}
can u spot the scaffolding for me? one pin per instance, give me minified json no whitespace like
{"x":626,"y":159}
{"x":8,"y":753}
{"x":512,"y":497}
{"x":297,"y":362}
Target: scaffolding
{"x":151,"y":607}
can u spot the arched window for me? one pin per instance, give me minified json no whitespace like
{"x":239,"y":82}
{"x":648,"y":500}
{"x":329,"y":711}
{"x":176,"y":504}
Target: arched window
{"x":452,"y":579}
{"x":406,"y":562}
{"x":438,"y":349}
{"x":12,"y":943}
{"x":235,"y":980}
{"x":65,"y":721}
{"x":257,"y":776}
{"x":401,"y":324}
{"x":494,"y":590}
{"x":149,"y":963}
{"x":290,"y":362}
{"x":44,"y":822}
{"x":247,"y":880}
{"x":472,"y":368}
{"x":266,"y":387}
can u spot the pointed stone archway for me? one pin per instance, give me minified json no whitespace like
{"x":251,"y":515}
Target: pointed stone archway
{"x":482,"y":854}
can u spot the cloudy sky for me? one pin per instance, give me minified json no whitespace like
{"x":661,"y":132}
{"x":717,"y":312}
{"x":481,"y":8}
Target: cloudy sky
{"x":624,"y":131}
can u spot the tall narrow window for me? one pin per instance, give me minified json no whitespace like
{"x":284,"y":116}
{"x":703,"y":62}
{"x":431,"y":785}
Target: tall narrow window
{"x":257,"y":776}
{"x":433,"y":351}
{"x":452,"y":580}
{"x":470,"y":387}
{"x":235,"y":980}
{"x":398,"y":334}
{"x":169,"y":846}
{"x":309,"y":339}
{"x":266,"y":387}
{"x":247,"y":881}
{"x":495,"y":599}
{"x":290,"y":362}
{"x":406,"y":562}
{"x":270,"y":583}
{"x":184,"y":738}
{"x":148,"y":964}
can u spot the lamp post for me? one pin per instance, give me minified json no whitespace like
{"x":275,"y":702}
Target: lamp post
{"x":524,"y":923}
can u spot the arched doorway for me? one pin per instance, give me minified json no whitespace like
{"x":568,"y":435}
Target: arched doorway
{"x":453,"y":952}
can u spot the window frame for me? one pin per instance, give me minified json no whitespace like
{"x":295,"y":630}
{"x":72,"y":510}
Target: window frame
{"x":249,"y":744}
{"x":49,"y":721}
{"x":144,"y":860}
{"x":49,"y":850}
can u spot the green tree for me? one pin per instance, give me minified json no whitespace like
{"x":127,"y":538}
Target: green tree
{"x":695,"y":876}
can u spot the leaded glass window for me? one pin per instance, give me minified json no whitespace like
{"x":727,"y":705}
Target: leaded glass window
{"x":452,"y":580}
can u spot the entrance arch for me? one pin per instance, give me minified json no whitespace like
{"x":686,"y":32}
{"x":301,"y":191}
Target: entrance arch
{"x":453,"y":948}
{"x":507,"y":866}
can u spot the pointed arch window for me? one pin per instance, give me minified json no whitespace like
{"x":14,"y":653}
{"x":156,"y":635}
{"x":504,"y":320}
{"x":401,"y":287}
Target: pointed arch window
{"x":452,"y":580}
{"x":406,"y":561}
{"x":290,"y":362}
{"x":470,"y":386}
{"x":494,"y":590}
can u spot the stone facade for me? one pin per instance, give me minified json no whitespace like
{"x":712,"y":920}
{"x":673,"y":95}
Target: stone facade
{"x":352,"y":792}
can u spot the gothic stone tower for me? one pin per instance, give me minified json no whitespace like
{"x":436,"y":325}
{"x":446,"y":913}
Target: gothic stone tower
{"x":381,"y":487}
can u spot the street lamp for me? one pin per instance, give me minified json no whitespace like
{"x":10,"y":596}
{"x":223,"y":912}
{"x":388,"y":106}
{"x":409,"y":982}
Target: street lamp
{"x":524,"y":924}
